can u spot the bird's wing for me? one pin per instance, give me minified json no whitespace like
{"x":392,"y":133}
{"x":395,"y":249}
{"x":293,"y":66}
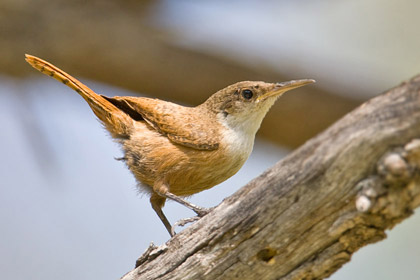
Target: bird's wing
{"x":172,"y":120}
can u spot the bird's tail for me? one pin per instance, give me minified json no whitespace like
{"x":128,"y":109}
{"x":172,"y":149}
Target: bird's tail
{"x":116,"y":121}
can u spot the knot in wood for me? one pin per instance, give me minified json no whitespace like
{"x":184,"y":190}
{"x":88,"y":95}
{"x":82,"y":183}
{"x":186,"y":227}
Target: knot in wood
{"x":394,"y":169}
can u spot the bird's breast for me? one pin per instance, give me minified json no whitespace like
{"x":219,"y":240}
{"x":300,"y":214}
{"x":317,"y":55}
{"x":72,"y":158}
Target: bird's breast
{"x":237,"y":144}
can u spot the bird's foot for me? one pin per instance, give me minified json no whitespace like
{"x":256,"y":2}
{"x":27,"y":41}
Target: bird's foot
{"x":201,"y":211}
{"x":185,"y":221}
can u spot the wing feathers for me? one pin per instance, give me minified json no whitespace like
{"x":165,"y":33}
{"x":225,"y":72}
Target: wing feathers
{"x":176,"y":122}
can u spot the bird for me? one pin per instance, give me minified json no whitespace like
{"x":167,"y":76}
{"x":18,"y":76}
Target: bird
{"x":176,"y":151}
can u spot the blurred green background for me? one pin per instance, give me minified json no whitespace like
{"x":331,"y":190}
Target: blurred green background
{"x":69,"y":211}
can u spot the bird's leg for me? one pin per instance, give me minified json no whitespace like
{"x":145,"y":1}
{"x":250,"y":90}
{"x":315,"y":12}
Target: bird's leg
{"x":157,"y":202}
{"x":160,"y":194}
{"x":201,"y":211}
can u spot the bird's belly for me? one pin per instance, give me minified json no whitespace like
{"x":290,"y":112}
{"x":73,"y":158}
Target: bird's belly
{"x":154,"y":158}
{"x":201,"y":175}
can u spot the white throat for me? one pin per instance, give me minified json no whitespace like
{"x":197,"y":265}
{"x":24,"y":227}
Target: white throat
{"x":241,"y":128}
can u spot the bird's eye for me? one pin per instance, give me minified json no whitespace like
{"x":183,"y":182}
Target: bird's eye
{"x":247,"y":93}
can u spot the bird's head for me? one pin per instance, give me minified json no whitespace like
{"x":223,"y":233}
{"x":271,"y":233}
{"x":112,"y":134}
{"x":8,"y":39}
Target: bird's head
{"x":245,"y":104}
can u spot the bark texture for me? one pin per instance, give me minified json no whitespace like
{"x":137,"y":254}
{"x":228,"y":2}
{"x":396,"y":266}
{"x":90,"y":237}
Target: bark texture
{"x":306,"y":216}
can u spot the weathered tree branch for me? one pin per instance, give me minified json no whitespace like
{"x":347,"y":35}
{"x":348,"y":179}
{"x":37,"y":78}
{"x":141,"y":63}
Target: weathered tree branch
{"x":306,"y":216}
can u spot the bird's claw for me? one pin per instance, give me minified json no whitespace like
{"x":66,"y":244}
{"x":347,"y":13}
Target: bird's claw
{"x":183,"y":222}
{"x":201,"y":211}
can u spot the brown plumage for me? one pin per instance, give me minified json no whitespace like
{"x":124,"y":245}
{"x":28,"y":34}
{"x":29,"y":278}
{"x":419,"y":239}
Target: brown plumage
{"x":174,"y":150}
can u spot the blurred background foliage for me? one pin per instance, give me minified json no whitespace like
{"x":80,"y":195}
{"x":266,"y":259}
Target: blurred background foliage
{"x":68,"y":208}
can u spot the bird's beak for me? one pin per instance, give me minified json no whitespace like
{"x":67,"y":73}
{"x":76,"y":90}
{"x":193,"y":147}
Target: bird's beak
{"x":281,"y":88}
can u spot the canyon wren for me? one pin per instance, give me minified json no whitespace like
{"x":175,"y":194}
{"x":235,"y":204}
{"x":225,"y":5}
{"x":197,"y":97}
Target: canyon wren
{"x":176,"y":151}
